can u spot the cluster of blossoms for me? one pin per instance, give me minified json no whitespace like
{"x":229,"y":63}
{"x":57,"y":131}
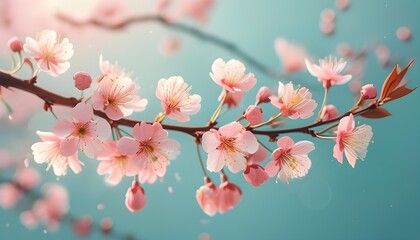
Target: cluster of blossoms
{"x":146,"y":153}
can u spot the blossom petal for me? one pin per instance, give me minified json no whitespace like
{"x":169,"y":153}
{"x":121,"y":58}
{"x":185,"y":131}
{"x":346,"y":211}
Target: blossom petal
{"x":82,"y":113}
{"x":215,"y":161}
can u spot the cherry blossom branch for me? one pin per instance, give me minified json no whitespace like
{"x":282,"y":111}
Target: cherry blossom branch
{"x":7,"y":80}
{"x":179,"y":27}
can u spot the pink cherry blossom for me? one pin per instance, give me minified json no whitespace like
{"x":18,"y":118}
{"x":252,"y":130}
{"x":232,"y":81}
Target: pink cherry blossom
{"x":231,"y":76}
{"x":232,"y":99}
{"x":294,"y":103}
{"x":150,"y":146}
{"x":48,"y":151}
{"x":81,"y":131}
{"x":208,"y":197}
{"x":112,"y":70}
{"x":383,"y":55}
{"x":135,"y":200}
{"x":290,"y":159}
{"x":292,"y":56}
{"x":82,"y":80}
{"x":177,"y":103}
{"x":52,"y":207}
{"x":10,"y":194}
{"x":368,"y":91}
{"x":116,"y":164}
{"x":263,"y":95}
{"x":229,"y":145}
{"x":351,"y":140}
{"x":112,"y":12}
{"x":329,"y":112}
{"x":148,"y":174}
{"x":15,"y":44}
{"x":117,"y":97}
{"x":51,"y":54}
{"x":255,"y":174}
{"x":328,"y":71}
{"x":253,"y":114}
{"x":229,"y":195}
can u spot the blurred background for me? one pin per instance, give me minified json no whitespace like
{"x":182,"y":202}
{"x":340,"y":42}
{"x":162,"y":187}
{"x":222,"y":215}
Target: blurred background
{"x":378,"y":199}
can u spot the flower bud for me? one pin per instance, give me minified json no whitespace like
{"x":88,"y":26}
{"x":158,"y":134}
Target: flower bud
{"x":263,"y":95}
{"x":135,"y":199}
{"x":368,"y":91}
{"x":82,"y":80}
{"x":208,"y":197}
{"x":15,"y":44}
{"x":253,"y":114}
{"x":229,"y":195}
{"x":255,"y":175}
{"x":329,"y":112}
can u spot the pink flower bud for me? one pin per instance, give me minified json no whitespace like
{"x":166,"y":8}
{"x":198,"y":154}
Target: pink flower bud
{"x":255,"y":175}
{"x":15,"y":44}
{"x":329,"y":112}
{"x":82,"y":80}
{"x":208,"y":197}
{"x":368,"y":91}
{"x":135,"y":199}
{"x":253,"y":114}
{"x":229,"y":195}
{"x":82,"y":226}
{"x":263,"y":95}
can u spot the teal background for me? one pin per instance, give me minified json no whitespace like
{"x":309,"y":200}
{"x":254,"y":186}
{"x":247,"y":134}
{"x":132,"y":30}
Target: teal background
{"x":379,"y":199}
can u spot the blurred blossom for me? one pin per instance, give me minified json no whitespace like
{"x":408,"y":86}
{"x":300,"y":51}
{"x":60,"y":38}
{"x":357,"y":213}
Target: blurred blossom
{"x":170,"y":45}
{"x":404,"y":33}
{"x":292,"y":56}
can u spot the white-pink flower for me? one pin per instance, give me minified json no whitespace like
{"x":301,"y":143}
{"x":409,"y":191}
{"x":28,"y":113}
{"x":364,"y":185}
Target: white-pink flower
{"x":231,"y":76}
{"x":290,"y":159}
{"x":177,"y":103}
{"x":294,"y":103}
{"x":48,"y":151}
{"x":351,"y":140}
{"x":50,"y":54}
{"x":328,"y":71}
{"x":116,"y":164}
{"x":81,"y":132}
{"x":117,"y":97}
{"x":150,"y":146}
{"x":229,"y":145}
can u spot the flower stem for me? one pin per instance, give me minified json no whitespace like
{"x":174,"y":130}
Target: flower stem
{"x":270,"y":120}
{"x":200,"y":159}
{"x":327,"y":128}
{"x":324,"y":102}
{"x":218,"y":109}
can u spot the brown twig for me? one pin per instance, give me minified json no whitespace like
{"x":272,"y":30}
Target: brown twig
{"x":7,"y":80}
